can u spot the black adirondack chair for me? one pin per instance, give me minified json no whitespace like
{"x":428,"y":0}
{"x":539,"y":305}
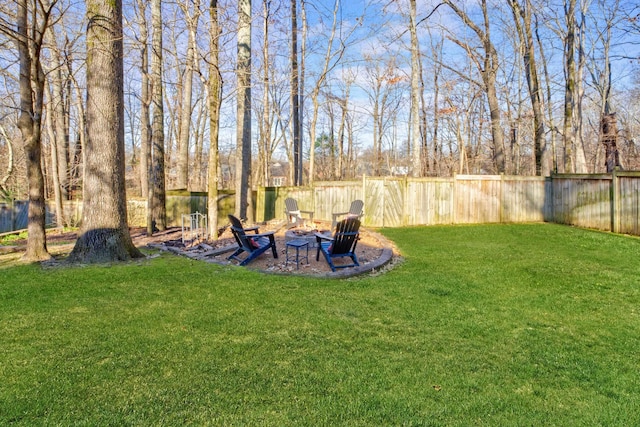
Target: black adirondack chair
{"x":341,"y":245}
{"x":294,"y":214}
{"x":253,"y":244}
{"x":355,"y":211}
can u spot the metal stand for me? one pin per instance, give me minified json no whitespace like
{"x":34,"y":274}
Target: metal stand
{"x":298,"y":243}
{"x":194,"y":227}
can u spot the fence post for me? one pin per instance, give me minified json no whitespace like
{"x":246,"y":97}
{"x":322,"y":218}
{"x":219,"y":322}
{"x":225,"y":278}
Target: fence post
{"x":615,"y":201}
{"x":501,"y":201}
{"x":455,"y":198}
{"x":364,"y":196}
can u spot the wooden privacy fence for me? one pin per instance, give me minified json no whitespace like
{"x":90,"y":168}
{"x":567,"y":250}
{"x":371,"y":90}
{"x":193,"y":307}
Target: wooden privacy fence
{"x":609,"y":202}
{"x":394,"y":202}
{"x":605,"y":202}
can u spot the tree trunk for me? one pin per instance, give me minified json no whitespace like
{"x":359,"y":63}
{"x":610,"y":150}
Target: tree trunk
{"x":301,"y":86}
{"x":215,"y":90}
{"x":145,"y":101}
{"x":581,"y":159}
{"x":265,"y":134}
{"x":104,"y":233}
{"x":186,"y":111}
{"x":569,"y":89}
{"x":416,"y":146}
{"x":315,"y":93}
{"x":55,"y":176}
{"x":58,"y":115}
{"x":609,"y":131}
{"x":295,"y":96}
{"x":157,"y":192}
{"x":30,"y":125}
{"x":487,"y":65}
{"x":243,"y":136}
{"x":533,"y":83}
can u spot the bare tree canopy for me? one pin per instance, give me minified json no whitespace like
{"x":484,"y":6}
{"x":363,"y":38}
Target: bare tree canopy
{"x":345,"y":89}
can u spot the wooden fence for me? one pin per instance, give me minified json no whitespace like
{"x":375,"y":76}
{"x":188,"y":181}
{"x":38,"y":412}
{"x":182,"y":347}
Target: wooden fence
{"x":609,"y":202}
{"x":394,"y":202}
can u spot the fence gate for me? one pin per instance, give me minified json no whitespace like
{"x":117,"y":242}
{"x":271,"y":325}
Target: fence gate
{"x":384,"y":201}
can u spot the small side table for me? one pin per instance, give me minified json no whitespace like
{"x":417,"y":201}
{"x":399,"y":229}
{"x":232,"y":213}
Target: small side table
{"x":297,"y":243}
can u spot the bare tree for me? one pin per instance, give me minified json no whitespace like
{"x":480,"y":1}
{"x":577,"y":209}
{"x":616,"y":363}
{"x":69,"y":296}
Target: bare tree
{"x":416,"y":145}
{"x":5,"y":192}
{"x":331,"y":59}
{"x":59,"y":113}
{"x":522,"y":19}
{"x":55,"y":175}
{"x":157,"y":193}
{"x":104,"y":233}
{"x":215,"y":94}
{"x":192,"y":17}
{"x":487,"y":63}
{"x":29,"y":38}
{"x":383,"y":92}
{"x":243,"y":137}
{"x":296,"y":172}
{"x":145,"y":99}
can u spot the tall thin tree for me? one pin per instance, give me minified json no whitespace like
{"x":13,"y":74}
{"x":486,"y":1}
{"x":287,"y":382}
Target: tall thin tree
{"x":145,"y":99}
{"x":182,"y":173}
{"x":29,"y":38}
{"x":243,"y":136}
{"x":157,"y":192}
{"x":416,"y":143}
{"x":215,"y":94}
{"x":295,"y":96}
{"x":522,"y":18}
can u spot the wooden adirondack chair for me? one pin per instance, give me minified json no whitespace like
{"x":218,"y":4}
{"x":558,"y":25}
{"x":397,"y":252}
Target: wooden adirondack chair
{"x":355,"y":211}
{"x":294,"y":214}
{"x":253,"y":244}
{"x":342,"y":244}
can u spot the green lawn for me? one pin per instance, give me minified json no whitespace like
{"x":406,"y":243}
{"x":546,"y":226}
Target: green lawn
{"x":481,"y":325}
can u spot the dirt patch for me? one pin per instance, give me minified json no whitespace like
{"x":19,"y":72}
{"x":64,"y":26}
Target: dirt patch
{"x":373,"y":251}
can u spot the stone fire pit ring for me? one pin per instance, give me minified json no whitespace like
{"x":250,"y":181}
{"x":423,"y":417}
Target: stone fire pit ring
{"x":307,"y":235}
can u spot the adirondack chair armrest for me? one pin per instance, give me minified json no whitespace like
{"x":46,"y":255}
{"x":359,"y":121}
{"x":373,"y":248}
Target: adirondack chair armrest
{"x":255,"y":229}
{"x":320,"y":236}
{"x":267,"y":234}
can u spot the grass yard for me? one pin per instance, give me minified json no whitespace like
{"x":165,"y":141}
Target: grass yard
{"x":481,"y":325}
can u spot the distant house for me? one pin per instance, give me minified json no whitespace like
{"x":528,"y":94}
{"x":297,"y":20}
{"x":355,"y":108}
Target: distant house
{"x":278,"y":174}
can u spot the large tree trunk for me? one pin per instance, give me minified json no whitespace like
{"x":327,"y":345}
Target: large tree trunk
{"x":243,"y":136}
{"x":30,"y":125}
{"x":215,"y":90}
{"x":104,"y":233}
{"x":157,"y":192}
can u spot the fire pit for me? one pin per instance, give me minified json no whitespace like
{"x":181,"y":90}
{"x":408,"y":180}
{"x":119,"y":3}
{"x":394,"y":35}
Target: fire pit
{"x":302,"y":234}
